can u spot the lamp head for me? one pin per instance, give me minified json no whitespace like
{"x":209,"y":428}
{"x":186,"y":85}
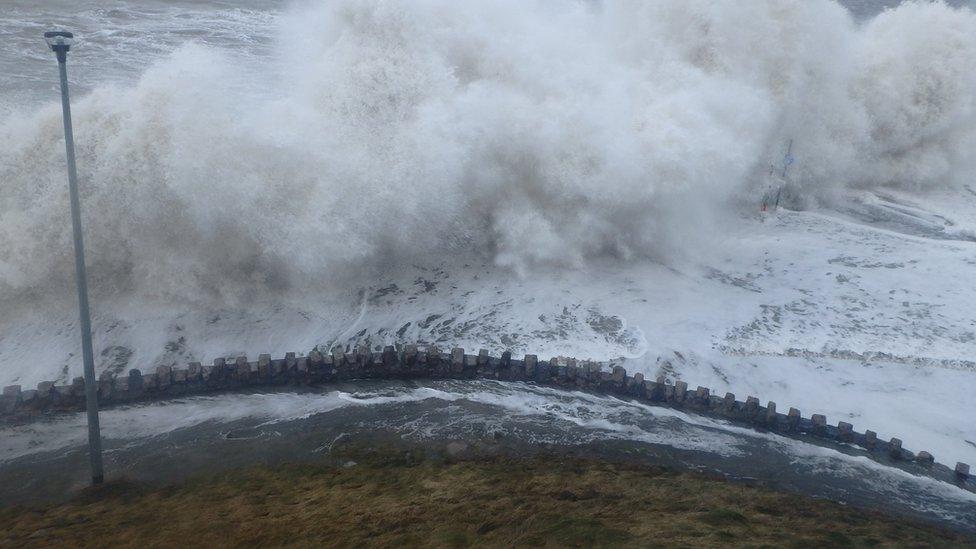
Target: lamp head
{"x":59,"y":41}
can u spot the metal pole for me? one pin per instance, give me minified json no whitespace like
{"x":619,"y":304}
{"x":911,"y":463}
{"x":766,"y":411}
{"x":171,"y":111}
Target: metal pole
{"x":91,"y":391}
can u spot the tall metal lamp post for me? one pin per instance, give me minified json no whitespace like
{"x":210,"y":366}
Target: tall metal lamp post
{"x":60,"y":42}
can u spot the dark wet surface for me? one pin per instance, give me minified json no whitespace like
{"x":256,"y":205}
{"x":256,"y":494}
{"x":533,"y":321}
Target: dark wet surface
{"x":473,"y":419}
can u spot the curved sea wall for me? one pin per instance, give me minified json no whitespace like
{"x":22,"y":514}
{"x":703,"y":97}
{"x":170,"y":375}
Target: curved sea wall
{"x":428,"y":362}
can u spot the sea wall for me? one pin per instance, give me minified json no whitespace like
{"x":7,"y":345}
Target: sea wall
{"x":429,"y":362}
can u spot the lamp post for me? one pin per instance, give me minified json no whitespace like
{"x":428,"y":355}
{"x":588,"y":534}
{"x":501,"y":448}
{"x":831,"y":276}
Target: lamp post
{"x":60,"y":42}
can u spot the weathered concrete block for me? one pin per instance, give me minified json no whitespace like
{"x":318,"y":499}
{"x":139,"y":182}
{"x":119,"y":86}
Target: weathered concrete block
{"x":149,"y":382}
{"x":290,"y":362}
{"x":506,"y":361}
{"x":29,"y":397}
{"x":241,"y":368}
{"x":924,"y":458}
{"x":962,"y":470}
{"x":134,"y":382}
{"x":164,"y":376}
{"x":315,"y":360}
{"x":752,"y":407}
{"x":771,"y":413}
{"x":338,"y":356}
{"x":106,"y":386}
{"x":728,"y":404}
{"x":482,"y":358}
{"x":457,"y":360}
{"x":194,"y":371}
{"x":894,"y":448}
{"x":680,"y":391}
{"x":870,"y":439}
{"x":618,"y":375}
{"x":301,"y":366}
{"x":78,"y":386}
{"x":702,"y":395}
{"x":819,"y":424}
{"x":220,"y":369}
{"x":793,"y":419}
{"x":179,"y":375}
{"x":12,"y":391}
{"x":410,"y":355}
{"x":389,"y":357}
{"x":264,"y":365}
{"x":44,"y":388}
{"x":531,"y":365}
{"x":845,"y":431}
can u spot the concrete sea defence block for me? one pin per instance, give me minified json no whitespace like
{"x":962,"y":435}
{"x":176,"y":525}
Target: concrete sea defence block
{"x":845,"y":431}
{"x":751,"y":408}
{"x":728,"y":405}
{"x":771,"y":414}
{"x":793,"y":420}
{"x":924,"y":458}
{"x":870,"y":439}
{"x":618,"y":375}
{"x":194,"y":371}
{"x":164,"y":376}
{"x":962,"y":470}
{"x":264,"y":366}
{"x":457,"y":360}
{"x":680,"y":391}
{"x":531,"y":363}
{"x":894,"y":448}
{"x":819,"y":424}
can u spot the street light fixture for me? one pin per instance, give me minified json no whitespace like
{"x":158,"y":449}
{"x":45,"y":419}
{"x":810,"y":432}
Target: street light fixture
{"x":60,"y":42}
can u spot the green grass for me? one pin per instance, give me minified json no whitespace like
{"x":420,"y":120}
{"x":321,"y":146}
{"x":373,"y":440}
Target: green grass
{"x":393,"y":499}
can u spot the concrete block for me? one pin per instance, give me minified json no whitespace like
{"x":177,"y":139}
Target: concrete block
{"x":894,"y":448}
{"x":482,"y":358}
{"x":845,"y":431}
{"x":302,"y":365}
{"x":29,"y":396}
{"x":179,"y":375}
{"x":389,"y":358}
{"x":290,"y":362}
{"x":44,"y":388}
{"x":338,"y":356}
{"x":194,"y":371}
{"x":752,"y":407}
{"x":793,"y":419}
{"x":148,"y":382}
{"x":962,"y":470}
{"x":134,"y":382}
{"x":457,"y":360}
{"x":315,"y":360}
{"x":618,"y":375}
{"x":164,"y":376}
{"x":78,"y":386}
{"x":924,"y":458}
{"x":771,"y":413}
{"x":531,"y":365}
{"x":680,"y":391}
{"x":506,"y":361}
{"x":242,"y":368}
{"x":220,"y":369}
{"x":819,"y":424}
{"x":728,"y":404}
{"x":410,"y":355}
{"x":12,"y":391}
{"x":702,"y":395}
{"x":870,"y":439}
{"x":264,"y":365}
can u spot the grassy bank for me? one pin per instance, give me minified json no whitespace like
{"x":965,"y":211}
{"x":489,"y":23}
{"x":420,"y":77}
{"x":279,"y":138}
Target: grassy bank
{"x":385,"y":500}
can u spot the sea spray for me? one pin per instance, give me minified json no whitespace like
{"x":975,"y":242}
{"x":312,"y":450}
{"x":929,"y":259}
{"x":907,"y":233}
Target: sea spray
{"x":527,"y":133}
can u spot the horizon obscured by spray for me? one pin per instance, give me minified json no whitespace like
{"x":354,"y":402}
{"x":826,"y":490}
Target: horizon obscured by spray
{"x":527,"y":133}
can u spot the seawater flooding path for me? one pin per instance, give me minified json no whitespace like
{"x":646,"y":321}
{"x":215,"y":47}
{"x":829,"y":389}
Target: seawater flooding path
{"x":170,"y":440}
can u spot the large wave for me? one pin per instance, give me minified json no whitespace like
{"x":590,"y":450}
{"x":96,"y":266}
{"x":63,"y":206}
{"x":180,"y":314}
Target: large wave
{"x":524,"y":132}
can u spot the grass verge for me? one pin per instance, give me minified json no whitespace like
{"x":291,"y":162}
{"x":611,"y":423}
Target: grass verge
{"x":394,"y":500}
